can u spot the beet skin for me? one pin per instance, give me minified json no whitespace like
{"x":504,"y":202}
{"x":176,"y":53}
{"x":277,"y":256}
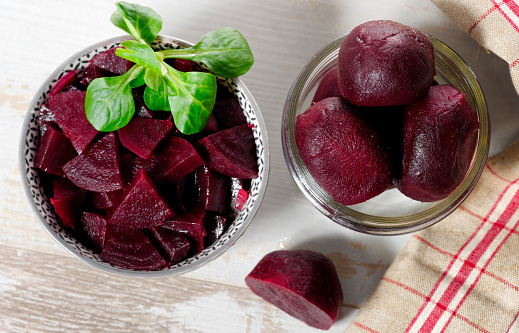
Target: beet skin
{"x":385,"y":63}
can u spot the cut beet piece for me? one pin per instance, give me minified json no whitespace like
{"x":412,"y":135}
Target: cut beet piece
{"x":440,"y":134}
{"x":239,"y":196}
{"x":111,"y":62}
{"x":175,"y":160}
{"x":212,"y":125}
{"x":302,"y":283}
{"x":344,"y":155}
{"x":131,"y":164}
{"x":91,"y":73}
{"x":106,"y":200}
{"x":67,"y":201}
{"x":141,"y":135}
{"x":69,"y":110}
{"x":131,"y":249}
{"x":231,"y":152}
{"x":46,"y":118}
{"x":184,"y":65}
{"x":190,"y":224}
{"x":63,"y":82}
{"x":187,"y":192}
{"x":172,"y":245}
{"x":99,"y":168}
{"x":54,"y":150}
{"x":141,"y":205}
{"x":94,"y":227}
{"x":328,"y":87}
{"x":214,"y":189}
{"x":228,"y":113}
{"x":215,"y":226}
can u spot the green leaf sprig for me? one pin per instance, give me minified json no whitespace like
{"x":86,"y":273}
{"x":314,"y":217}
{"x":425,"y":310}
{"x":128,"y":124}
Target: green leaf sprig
{"x":190,"y":96}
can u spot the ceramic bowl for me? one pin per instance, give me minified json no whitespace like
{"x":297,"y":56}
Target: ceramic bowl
{"x":391,"y":212}
{"x":40,"y":201}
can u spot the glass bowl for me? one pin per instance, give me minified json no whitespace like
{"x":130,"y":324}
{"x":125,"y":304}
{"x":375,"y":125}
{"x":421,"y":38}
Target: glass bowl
{"x":40,"y":201}
{"x":390,"y":213}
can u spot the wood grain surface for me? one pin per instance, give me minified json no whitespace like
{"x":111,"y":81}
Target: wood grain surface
{"x":45,"y":289}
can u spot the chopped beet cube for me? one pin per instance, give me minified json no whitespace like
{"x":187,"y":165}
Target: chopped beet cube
{"x":111,"y":62}
{"x":171,"y":244}
{"x":184,"y":65}
{"x":141,"y":205}
{"x":215,"y":226}
{"x":190,"y":224}
{"x":67,"y":201}
{"x":214,"y":189}
{"x":228,"y":113}
{"x":177,"y":159}
{"x":141,"y":135}
{"x":94,"y":227}
{"x":231,"y":152}
{"x":99,"y":168}
{"x":106,"y":200}
{"x":64,"y":81}
{"x":46,"y":119}
{"x":54,"y":150}
{"x":131,"y":249}
{"x":69,"y":110}
{"x":212,"y":125}
{"x":131,"y":164}
{"x":241,"y":199}
{"x":91,"y":73}
{"x":187,"y":191}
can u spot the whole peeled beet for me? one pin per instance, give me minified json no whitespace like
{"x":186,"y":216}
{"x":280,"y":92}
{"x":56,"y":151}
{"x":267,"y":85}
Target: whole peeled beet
{"x":342,"y":152}
{"x":302,"y":283}
{"x":385,"y":63}
{"x":440,"y":133}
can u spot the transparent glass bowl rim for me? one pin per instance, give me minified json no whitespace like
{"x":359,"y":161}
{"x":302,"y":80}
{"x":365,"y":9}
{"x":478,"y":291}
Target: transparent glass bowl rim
{"x":346,"y":216}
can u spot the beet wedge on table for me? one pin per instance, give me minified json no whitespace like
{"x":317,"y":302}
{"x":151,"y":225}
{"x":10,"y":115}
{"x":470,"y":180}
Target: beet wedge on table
{"x":302,"y":283}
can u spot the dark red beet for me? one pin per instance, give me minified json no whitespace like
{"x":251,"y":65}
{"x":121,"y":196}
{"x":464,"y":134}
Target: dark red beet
{"x":383,"y":63}
{"x":141,"y":110}
{"x":141,"y":205}
{"x":440,"y":133}
{"x":54,"y":150}
{"x":228,"y":113}
{"x":94,"y":227}
{"x":69,"y":111}
{"x":184,"y":65}
{"x":175,"y":160}
{"x":99,"y":168}
{"x":46,"y":118}
{"x":239,"y":196}
{"x":67,"y":201}
{"x":231,"y":152}
{"x":111,"y":62}
{"x":106,"y":200}
{"x":215,"y":226}
{"x":190,"y":224}
{"x":172,"y":245}
{"x":214,"y":189}
{"x":212,"y":125}
{"x":187,"y":191}
{"x":131,"y":249}
{"x":131,"y":164}
{"x":91,"y":73}
{"x":328,"y":87}
{"x":63,"y":82}
{"x":302,"y":283}
{"x":141,"y":135}
{"x":342,"y":152}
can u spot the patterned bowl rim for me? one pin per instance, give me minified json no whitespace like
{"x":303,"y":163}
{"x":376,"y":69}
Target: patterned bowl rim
{"x":42,"y":208}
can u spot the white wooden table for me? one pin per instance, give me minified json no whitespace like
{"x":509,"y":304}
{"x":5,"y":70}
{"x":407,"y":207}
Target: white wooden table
{"x":43,"y":288}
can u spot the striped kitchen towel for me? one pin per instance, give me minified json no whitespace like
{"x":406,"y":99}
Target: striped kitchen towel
{"x":462,"y":274}
{"x":494,"y":24}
